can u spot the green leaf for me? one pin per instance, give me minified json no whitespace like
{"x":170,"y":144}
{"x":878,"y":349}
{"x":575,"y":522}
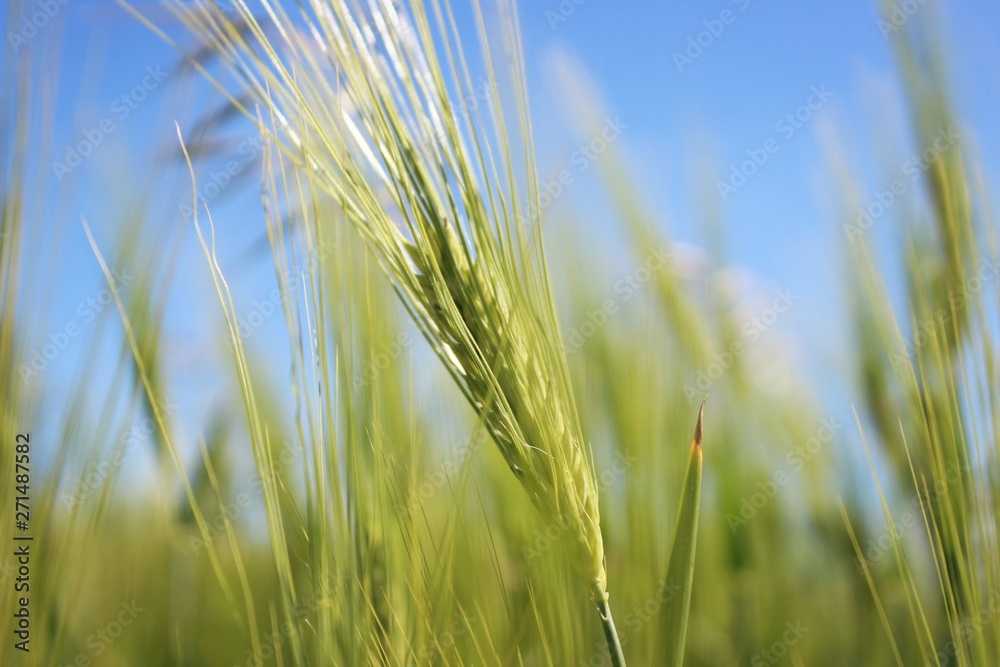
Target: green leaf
{"x":680,"y":570}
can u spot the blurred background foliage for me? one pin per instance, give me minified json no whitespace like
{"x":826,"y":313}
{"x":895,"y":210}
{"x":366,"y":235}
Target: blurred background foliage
{"x":339,"y":507}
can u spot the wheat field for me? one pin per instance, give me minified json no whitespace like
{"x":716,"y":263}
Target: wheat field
{"x":309,"y":357}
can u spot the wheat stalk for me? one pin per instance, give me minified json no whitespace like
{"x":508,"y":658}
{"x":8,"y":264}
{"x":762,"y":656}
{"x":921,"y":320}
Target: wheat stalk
{"x":363,"y":105}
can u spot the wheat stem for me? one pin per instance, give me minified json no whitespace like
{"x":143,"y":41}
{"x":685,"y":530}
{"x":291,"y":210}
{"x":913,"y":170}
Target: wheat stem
{"x":610,"y":632}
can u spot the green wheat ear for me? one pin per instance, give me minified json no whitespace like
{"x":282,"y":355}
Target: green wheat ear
{"x":453,"y":227}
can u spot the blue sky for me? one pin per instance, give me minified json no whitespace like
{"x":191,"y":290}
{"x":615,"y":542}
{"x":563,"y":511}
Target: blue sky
{"x":697,"y":86}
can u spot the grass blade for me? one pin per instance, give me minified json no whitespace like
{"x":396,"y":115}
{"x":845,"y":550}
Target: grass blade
{"x":680,"y":570}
